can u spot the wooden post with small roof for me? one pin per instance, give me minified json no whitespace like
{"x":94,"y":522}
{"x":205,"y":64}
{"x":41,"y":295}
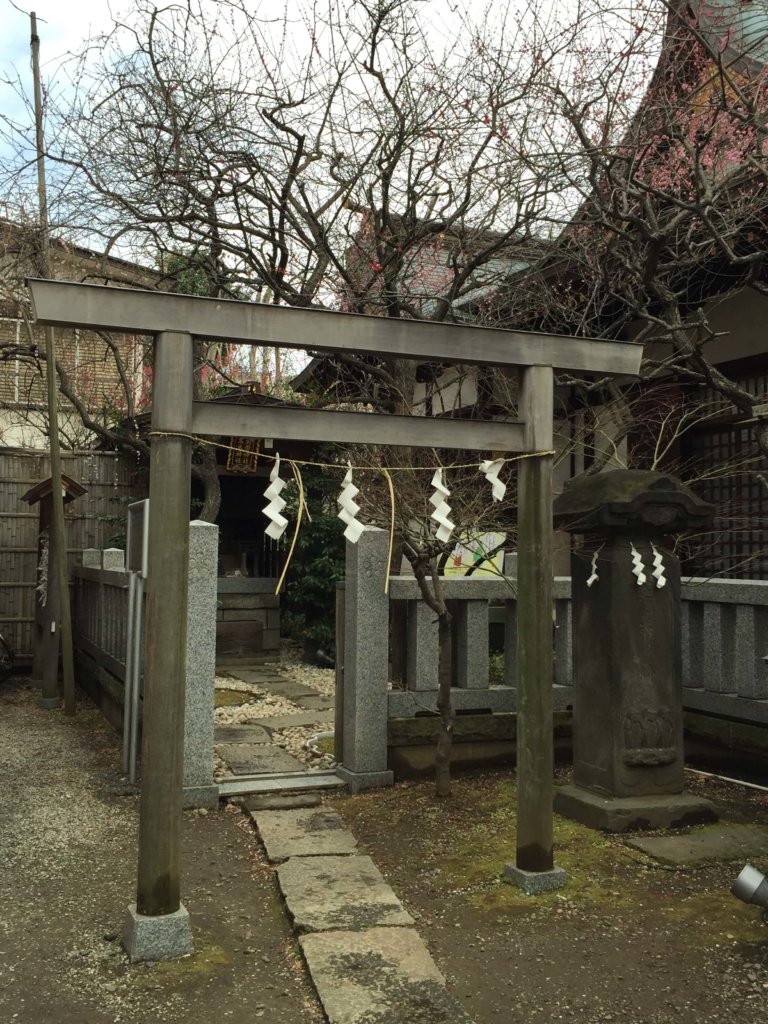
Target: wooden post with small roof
{"x":47,"y":638}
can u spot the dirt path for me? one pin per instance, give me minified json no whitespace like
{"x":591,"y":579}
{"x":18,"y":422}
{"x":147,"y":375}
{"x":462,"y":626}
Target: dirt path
{"x":67,"y":849}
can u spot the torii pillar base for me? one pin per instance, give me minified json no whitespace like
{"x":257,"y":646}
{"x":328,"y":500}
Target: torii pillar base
{"x":164,"y":937}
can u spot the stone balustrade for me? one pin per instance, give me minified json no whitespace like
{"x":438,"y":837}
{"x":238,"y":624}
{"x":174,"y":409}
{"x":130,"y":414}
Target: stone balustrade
{"x":724,"y":649}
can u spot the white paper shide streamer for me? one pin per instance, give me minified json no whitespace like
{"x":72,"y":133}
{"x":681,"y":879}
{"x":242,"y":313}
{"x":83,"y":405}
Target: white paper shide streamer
{"x":638,"y":567}
{"x":273,"y":511}
{"x":442,"y":509}
{"x":348,"y":509}
{"x":491,"y":468}
{"x":658,"y":568}
{"x":593,"y":577}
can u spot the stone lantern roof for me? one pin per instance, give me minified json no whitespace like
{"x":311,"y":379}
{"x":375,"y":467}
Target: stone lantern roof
{"x":634,"y":501}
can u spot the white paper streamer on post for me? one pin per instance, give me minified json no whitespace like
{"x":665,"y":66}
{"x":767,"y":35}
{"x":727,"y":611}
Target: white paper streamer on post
{"x":658,"y":568}
{"x":593,"y":578}
{"x":637,"y":562}
{"x":441,"y":508}
{"x":348,"y":509}
{"x":491,"y":468}
{"x":273,"y":510}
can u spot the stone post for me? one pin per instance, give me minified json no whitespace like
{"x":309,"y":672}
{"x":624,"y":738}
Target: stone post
{"x":422,"y":657}
{"x":627,"y":665}
{"x":199,"y":787}
{"x":114,"y":559}
{"x":366,"y":663}
{"x":471,"y":626}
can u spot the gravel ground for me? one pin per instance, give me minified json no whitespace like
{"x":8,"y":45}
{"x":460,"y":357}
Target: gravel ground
{"x":68,"y":827}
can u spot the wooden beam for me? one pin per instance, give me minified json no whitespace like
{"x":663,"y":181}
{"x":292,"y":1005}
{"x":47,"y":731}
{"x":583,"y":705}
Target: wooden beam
{"x":217,"y":418}
{"x":133,"y":311}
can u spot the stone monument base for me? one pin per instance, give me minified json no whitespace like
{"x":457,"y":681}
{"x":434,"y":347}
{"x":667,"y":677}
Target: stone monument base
{"x":356,"y":781}
{"x":624,"y":814}
{"x":164,"y":937}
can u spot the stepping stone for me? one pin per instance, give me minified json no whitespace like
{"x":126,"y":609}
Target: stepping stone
{"x":324,"y":893}
{"x":257,"y":759}
{"x":241,"y":734}
{"x":290,"y":689}
{"x":266,"y":679}
{"x":280,"y":801}
{"x":316,"y":703}
{"x":313,"y":832}
{"x":723,"y":843}
{"x":301,"y":720}
{"x":378,"y":976}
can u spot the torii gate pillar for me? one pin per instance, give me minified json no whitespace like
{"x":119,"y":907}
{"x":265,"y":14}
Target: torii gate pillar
{"x":157,"y":925}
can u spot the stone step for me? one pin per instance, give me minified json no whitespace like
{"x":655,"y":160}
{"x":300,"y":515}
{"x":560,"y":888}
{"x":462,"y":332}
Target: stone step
{"x":280,"y":782}
{"x":327,"y":893}
{"x":279,"y":801}
{"x":310,"y":832}
{"x":378,"y":976}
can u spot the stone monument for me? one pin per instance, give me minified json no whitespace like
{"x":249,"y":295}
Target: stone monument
{"x":627,"y":665}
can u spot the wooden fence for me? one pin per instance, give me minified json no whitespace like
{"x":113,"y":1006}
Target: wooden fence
{"x":93,"y":521}
{"x":100,"y":636}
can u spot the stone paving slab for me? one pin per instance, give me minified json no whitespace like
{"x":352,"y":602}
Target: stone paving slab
{"x":316,"y":703}
{"x":378,"y":976}
{"x":723,"y":843}
{"x":289,"y":689}
{"x":311,"y":832}
{"x":255,"y":759}
{"x":241,"y":734}
{"x":301,"y":720}
{"x":266,"y":678}
{"x":327,"y":893}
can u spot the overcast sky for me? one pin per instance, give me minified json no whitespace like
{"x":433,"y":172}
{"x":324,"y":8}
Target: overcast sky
{"x":61,"y":24}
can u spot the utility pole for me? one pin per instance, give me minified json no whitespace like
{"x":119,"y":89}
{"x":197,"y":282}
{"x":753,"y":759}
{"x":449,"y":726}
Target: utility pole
{"x":59,"y":545}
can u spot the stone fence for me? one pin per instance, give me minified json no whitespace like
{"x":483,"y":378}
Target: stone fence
{"x":725,"y":648}
{"x":101,"y":643}
{"x":725,"y":652}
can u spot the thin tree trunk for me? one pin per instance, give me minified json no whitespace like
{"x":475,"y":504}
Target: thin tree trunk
{"x":435,"y":598}
{"x":446,"y":711}
{"x":205,"y":471}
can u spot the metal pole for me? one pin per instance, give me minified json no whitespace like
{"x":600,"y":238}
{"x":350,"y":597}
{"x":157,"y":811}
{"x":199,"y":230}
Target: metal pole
{"x":128,"y":681}
{"x":138,"y":596}
{"x":57,"y":519}
{"x":534,"y":629}
{"x":158,"y":890}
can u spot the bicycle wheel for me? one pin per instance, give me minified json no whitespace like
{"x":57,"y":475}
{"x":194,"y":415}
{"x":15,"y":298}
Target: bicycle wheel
{"x":6,"y":659}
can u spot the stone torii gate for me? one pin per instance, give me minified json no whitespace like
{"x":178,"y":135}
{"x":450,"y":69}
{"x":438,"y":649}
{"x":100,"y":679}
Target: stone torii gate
{"x":158,"y":925}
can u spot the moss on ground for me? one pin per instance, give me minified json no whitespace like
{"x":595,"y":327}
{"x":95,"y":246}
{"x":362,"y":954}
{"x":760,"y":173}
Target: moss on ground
{"x":461,"y":845}
{"x":207,"y":959}
{"x":231,"y":698}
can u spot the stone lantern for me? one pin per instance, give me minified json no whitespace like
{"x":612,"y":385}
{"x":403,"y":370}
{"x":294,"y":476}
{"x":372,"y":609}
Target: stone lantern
{"x":627,"y":663}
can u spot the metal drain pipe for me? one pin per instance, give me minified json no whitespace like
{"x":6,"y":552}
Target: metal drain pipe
{"x":751,"y":886}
